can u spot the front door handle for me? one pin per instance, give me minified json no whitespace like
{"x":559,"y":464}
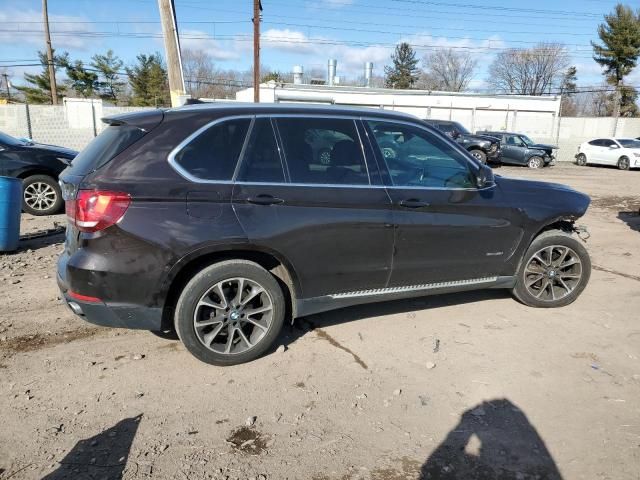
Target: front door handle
{"x":264,"y":199}
{"x":413,"y":203}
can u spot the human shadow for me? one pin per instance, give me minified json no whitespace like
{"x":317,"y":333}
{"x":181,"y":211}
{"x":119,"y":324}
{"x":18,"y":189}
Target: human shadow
{"x":492,"y":441}
{"x":632,"y":219}
{"x":102,"y":456}
{"x":301,"y":326}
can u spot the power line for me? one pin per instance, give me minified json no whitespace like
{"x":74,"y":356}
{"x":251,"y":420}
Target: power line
{"x":501,"y":8}
{"x":288,"y":41}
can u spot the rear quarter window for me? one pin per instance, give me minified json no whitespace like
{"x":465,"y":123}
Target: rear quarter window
{"x":213,"y":153}
{"x":112,"y":141}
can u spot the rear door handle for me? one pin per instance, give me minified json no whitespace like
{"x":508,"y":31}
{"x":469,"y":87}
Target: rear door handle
{"x":265,"y":200}
{"x":413,"y":203}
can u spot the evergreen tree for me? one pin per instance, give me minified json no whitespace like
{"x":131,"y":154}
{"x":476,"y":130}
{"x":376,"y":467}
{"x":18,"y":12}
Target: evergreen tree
{"x":403,"y":73}
{"x":567,"y":90}
{"x":83,"y":81}
{"x":39,"y":90}
{"x":620,"y":49}
{"x":109,"y":85}
{"x":149,"y":82}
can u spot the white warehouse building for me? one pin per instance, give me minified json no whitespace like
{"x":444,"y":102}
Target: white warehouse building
{"x":534,"y":115}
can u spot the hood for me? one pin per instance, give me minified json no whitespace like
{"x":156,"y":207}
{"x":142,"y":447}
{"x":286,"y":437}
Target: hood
{"x":486,"y":138}
{"x":62,"y":151}
{"x":545,"y":197}
{"x":543,"y":146}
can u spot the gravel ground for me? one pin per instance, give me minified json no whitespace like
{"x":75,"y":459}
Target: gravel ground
{"x":470,"y":385}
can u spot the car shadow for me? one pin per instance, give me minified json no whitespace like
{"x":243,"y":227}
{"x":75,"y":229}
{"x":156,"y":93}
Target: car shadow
{"x":632,"y":219}
{"x":101,"y":456}
{"x":492,"y":441}
{"x":301,"y":326}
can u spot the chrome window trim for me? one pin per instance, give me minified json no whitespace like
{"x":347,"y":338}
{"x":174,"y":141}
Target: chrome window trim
{"x":171,"y":158}
{"x":185,"y":174}
{"x":413,"y":288}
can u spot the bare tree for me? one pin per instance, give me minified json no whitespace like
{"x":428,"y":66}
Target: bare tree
{"x":449,"y":70}
{"x":532,"y":71}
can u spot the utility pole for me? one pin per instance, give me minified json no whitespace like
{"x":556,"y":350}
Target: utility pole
{"x":6,"y":84}
{"x":52,"y":68}
{"x":257,"y":8}
{"x":172,"y":51}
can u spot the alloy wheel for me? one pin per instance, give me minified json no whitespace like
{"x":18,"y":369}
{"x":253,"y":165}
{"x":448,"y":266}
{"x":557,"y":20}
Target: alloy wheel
{"x":233,"y":316}
{"x":40,"y":196}
{"x":553,"y":272}
{"x":535,"y":162}
{"x":623,"y":163}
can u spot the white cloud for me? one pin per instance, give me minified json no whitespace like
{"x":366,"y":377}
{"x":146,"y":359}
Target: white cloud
{"x":218,"y":49}
{"x":288,"y":41}
{"x":64,"y":30}
{"x":335,"y":3}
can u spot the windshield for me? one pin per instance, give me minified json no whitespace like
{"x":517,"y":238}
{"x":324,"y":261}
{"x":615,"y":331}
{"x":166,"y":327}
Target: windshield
{"x":527,"y":141}
{"x":628,"y":142}
{"x":457,"y":126}
{"x":9,"y":140}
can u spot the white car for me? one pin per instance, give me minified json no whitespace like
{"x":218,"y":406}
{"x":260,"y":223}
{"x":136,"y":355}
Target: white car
{"x":624,"y":153}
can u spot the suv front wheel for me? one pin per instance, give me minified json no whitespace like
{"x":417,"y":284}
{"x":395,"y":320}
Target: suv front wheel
{"x":554,"y":271}
{"x":479,"y":155}
{"x":230,"y":312}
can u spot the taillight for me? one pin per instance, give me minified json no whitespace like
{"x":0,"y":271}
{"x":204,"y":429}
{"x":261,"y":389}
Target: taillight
{"x":94,"y":210}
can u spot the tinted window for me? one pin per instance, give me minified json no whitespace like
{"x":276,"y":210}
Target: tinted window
{"x":418,"y":158}
{"x":213,"y":154}
{"x":323,"y":151}
{"x":607,"y":142}
{"x":112,"y":141}
{"x":628,"y":142}
{"x":261,"y":161}
{"x":596,"y":143}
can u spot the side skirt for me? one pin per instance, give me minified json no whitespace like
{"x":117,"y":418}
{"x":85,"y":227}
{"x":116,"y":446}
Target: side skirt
{"x":310,"y":306}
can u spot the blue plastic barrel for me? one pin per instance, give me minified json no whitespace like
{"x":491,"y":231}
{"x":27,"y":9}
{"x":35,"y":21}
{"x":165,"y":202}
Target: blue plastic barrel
{"x":10,"y":209}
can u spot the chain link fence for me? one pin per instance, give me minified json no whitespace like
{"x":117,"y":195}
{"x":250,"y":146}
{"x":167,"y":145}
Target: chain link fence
{"x":77,"y":122}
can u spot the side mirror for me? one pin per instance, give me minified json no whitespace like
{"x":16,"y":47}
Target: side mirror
{"x":455,"y":134}
{"x":485,"y":177}
{"x":614,"y":146}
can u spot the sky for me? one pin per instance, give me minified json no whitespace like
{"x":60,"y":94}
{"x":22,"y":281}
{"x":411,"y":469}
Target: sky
{"x":307,"y":33}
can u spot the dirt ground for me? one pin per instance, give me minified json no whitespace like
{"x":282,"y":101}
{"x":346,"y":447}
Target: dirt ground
{"x":470,"y":385}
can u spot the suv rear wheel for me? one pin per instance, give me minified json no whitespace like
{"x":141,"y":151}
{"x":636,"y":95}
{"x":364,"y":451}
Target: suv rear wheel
{"x":554,"y":272}
{"x":229,"y":313}
{"x":41,"y":195}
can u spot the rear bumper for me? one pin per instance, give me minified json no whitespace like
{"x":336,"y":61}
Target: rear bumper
{"x":110,"y":314}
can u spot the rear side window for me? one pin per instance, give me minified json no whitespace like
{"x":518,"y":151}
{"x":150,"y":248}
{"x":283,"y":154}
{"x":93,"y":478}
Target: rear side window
{"x":112,"y":141}
{"x":323,"y":151}
{"x":213,"y":154}
{"x":597,"y":143}
{"x":261,"y":162}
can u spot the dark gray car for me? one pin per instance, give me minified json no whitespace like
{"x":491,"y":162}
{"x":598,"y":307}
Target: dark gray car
{"x":518,"y":149}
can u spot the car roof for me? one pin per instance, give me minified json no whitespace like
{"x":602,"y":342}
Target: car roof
{"x":242,"y":108}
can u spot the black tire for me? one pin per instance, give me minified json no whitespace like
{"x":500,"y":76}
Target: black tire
{"x":535,"y":162}
{"x":478,"y":155}
{"x":50,"y":189}
{"x":546,"y":240}
{"x":581,"y":160}
{"x":623,"y":163}
{"x":203,"y":282}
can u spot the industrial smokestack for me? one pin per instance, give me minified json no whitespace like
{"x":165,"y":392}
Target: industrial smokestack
{"x":368,"y":73}
{"x":298,"y":71}
{"x":331,"y":71}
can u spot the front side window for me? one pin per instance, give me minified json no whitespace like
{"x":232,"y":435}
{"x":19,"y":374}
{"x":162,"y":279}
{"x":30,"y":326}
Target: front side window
{"x":214,"y":153}
{"x":261,"y":162}
{"x":417,"y":158}
{"x":514,"y":140}
{"x":323,"y":151}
